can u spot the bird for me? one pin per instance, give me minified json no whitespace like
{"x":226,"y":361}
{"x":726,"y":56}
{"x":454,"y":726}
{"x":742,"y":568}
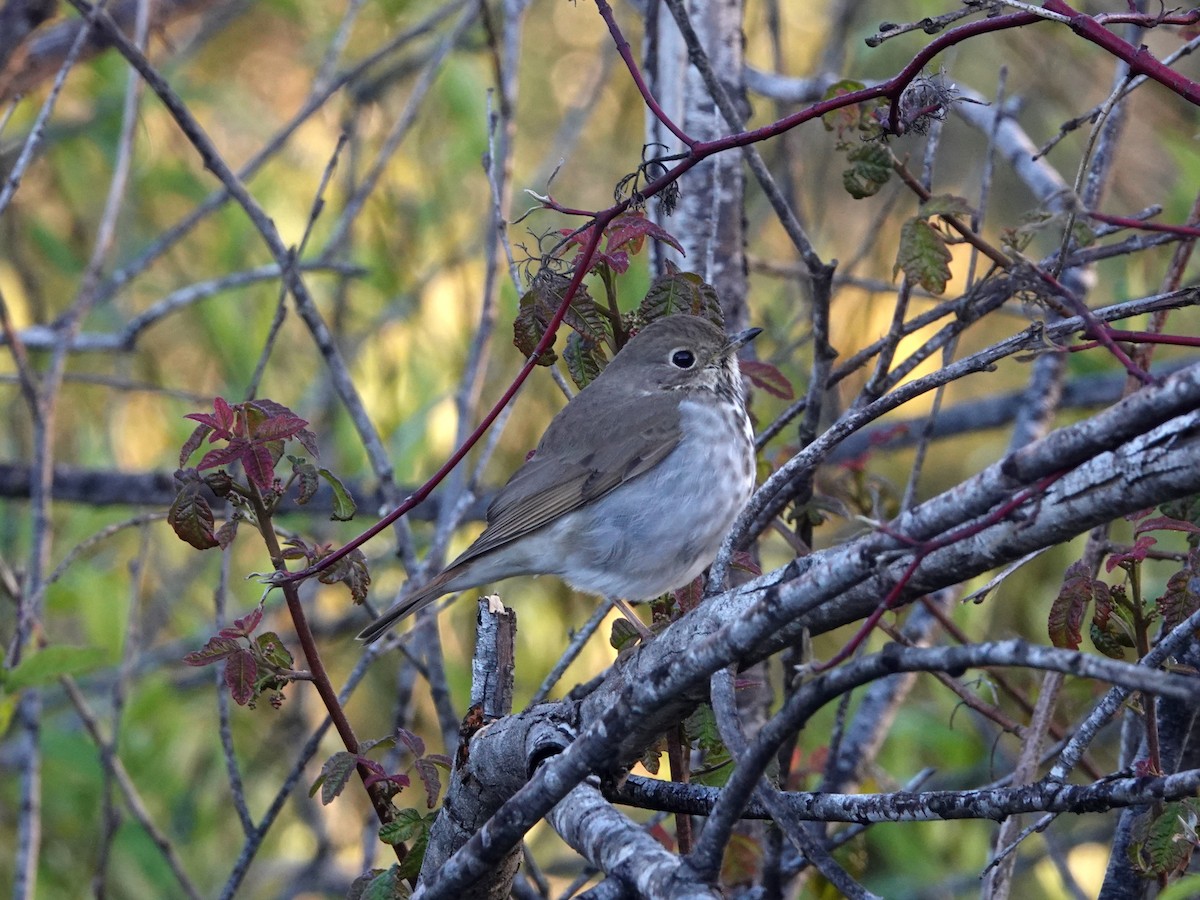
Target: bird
{"x":634,"y":484}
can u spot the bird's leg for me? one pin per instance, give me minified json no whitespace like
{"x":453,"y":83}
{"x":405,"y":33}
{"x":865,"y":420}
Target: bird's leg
{"x":627,"y":611}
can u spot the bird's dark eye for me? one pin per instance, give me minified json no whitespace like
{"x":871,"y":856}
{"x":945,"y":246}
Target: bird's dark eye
{"x":683,"y":359}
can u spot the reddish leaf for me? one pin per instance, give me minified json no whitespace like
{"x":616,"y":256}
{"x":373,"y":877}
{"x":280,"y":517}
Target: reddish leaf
{"x":744,"y":560}
{"x":226,"y":533}
{"x":1182,"y":596}
{"x":432,"y":783}
{"x":241,"y":671}
{"x":768,"y":377}
{"x":192,"y":444}
{"x":259,"y":466}
{"x":632,"y":229}
{"x":1135,"y":554}
{"x":689,"y":596}
{"x":244,"y":627}
{"x":412,"y":741}
{"x":217,"y":649}
{"x":352,"y":571}
{"x":335,"y":773}
{"x":277,"y":428}
{"x":223,"y":456}
{"x":1166,"y":523}
{"x":221,"y":420}
{"x":1069,"y":607}
{"x":191,"y":518}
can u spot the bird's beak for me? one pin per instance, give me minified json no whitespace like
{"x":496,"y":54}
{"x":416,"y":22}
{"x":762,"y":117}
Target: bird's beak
{"x":739,"y":340}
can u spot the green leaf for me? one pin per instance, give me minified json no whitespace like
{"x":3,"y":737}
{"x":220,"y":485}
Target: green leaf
{"x":681,"y":292}
{"x":272,"y":651}
{"x":408,"y":824}
{"x":46,"y":666}
{"x":386,"y":885}
{"x":191,"y":518}
{"x":8,"y":708}
{"x":344,"y":506}
{"x":335,"y":773}
{"x":623,"y":634}
{"x":923,"y":255}
{"x":584,"y":359}
{"x":846,"y":118}
{"x":870,"y":169}
{"x":1163,"y":845}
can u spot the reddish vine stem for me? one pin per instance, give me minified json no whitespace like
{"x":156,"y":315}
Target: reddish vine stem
{"x":318,"y":675}
{"x":1191,"y":231}
{"x":635,"y":73}
{"x":923,"y":550}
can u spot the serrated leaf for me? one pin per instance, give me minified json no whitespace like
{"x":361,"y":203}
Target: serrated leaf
{"x":410,"y":866}
{"x":385,"y":885}
{"x":623,"y":634}
{"x":767,"y":377}
{"x":1163,"y":844}
{"x":408,"y":824}
{"x":335,"y":774}
{"x":1070,"y":606}
{"x":344,"y":506}
{"x":273,"y":652}
{"x":585,"y":360}
{"x":870,"y":169}
{"x":946,"y":205}
{"x":307,"y":479}
{"x":192,"y":444}
{"x":259,"y":462}
{"x":1166,"y":523}
{"x":191,"y":518}
{"x":845,"y":118}
{"x":630,"y":230}
{"x":535,"y":311}
{"x":413,"y":741}
{"x":923,"y":256}
{"x":651,"y":759}
{"x":681,"y":292}
{"x":1182,"y":596}
{"x":223,"y":456}
{"x":241,"y":672}
{"x":226,"y":533}
{"x":219,"y":647}
{"x":49,"y":664}
{"x":430,"y":779}
{"x":352,"y":571}
{"x":701,"y":730}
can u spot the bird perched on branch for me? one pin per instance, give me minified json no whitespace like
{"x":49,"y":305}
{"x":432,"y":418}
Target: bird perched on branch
{"x":633,"y":486}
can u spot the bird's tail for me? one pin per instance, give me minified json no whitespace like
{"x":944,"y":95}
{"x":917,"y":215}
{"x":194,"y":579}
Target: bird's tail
{"x":407,"y":606}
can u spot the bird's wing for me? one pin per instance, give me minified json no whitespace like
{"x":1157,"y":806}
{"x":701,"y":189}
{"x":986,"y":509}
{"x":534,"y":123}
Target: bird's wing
{"x":564,"y":474}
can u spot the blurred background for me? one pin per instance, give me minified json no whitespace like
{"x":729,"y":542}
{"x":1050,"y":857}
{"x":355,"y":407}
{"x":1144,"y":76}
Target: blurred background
{"x":396,"y":260}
